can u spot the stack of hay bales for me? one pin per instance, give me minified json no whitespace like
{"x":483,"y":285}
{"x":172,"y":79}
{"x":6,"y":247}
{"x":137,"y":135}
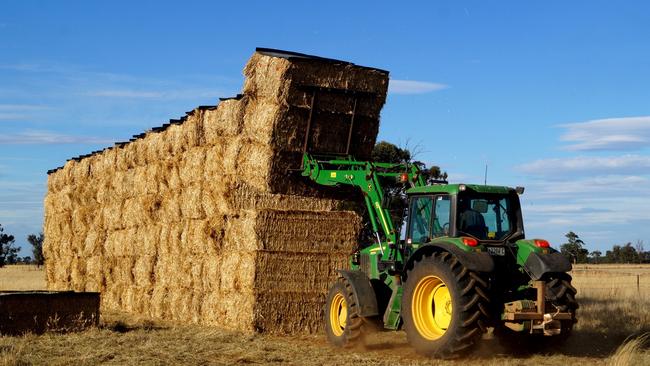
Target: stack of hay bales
{"x":200,"y":220}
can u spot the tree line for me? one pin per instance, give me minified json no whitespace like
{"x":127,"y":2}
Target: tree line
{"x":9,"y":251}
{"x":575,"y":250}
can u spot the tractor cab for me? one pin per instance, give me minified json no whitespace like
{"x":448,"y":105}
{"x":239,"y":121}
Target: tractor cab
{"x":487,"y":214}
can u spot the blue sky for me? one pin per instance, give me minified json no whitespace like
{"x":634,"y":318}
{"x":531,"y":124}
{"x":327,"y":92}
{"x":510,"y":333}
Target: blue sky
{"x":552,"y":95}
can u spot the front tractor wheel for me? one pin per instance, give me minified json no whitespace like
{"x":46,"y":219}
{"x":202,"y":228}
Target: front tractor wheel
{"x":444,"y":307}
{"x":343,"y":324}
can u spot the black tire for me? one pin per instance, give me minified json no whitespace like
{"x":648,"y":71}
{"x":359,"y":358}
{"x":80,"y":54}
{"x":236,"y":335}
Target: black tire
{"x":351,"y":332}
{"x":560,"y":295}
{"x":469,"y":306}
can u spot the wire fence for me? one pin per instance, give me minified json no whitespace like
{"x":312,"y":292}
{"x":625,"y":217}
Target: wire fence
{"x":596,"y":279}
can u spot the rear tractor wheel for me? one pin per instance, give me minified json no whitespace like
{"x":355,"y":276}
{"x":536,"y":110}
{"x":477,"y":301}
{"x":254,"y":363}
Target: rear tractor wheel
{"x":343,"y":325}
{"x":444,"y":307}
{"x":560,"y":296}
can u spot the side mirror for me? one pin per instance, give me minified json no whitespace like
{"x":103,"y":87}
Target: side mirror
{"x":519,"y":190}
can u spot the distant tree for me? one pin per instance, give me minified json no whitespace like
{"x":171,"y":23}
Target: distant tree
{"x":26,"y":259}
{"x":8,"y":252}
{"x":37,"y":248}
{"x":640,"y":250}
{"x":385,"y":152}
{"x":574,"y":248}
{"x":431,"y":175}
{"x":596,"y":254}
{"x":622,"y":254}
{"x":395,"y":196}
{"x":629,"y":254}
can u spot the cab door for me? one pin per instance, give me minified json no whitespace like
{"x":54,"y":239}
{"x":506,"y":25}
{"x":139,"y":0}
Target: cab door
{"x":429,"y":218}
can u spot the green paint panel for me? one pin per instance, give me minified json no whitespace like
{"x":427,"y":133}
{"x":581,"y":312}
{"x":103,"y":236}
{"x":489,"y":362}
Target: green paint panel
{"x":455,"y":188}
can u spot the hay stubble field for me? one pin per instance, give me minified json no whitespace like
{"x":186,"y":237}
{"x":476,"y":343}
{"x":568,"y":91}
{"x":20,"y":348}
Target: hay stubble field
{"x":612,"y":309}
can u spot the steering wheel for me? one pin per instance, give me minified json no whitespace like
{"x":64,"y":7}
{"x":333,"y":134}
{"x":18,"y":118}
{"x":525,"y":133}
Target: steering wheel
{"x":445,"y":228}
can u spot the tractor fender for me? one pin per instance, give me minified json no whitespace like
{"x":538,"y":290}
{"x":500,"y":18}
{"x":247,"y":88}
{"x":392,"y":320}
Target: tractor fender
{"x":363,"y":291}
{"x":540,"y":264}
{"x":477,"y":262}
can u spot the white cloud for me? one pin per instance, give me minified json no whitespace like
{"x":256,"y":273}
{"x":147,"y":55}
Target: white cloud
{"x":21,"y":107}
{"x":47,"y":137}
{"x":587,"y":165}
{"x":626,"y":133}
{"x":396,"y":86}
{"x":149,"y":94}
{"x":12,"y":116}
{"x":18,"y":111}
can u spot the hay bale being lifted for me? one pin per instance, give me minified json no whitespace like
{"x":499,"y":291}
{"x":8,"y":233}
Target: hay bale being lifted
{"x":200,"y":220}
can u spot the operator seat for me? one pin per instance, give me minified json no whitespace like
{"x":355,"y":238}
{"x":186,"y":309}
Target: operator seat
{"x":473,"y":223}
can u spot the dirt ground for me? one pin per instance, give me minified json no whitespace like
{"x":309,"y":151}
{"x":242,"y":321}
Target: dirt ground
{"x":610,"y":312}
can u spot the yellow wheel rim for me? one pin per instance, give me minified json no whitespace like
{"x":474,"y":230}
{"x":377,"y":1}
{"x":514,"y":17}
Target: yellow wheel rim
{"x":338,"y":314}
{"x":431,"y":307}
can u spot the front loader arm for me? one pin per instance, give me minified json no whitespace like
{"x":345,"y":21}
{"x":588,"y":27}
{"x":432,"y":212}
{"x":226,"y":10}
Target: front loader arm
{"x":366,"y":176}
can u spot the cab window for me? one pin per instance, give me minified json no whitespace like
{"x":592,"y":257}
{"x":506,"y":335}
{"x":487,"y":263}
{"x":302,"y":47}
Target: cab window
{"x":442,"y":211}
{"x":420,"y":219}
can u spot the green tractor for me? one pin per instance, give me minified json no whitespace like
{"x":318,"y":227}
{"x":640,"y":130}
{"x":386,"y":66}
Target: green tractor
{"x":463,"y":266}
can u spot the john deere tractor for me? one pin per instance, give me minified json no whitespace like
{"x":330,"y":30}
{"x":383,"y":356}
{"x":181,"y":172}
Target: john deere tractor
{"x":462,"y":264}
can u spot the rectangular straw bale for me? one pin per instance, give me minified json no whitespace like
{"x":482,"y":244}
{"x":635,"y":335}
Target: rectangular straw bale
{"x":242,"y":195}
{"x":213,"y":168}
{"x":260,"y":119}
{"x":143,"y":270}
{"x":338,"y":76}
{"x":59,"y":202}
{"x":134,"y":213}
{"x":112,"y":215}
{"x":95,"y":280}
{"x":178,"y":139}
{"x":170,"y":176}
{"x":160,"y":302}
{"x":231,"y":310}
{"x":237,"y":271}
{"x":194,"y":129}
{"x":288,"y":312}
{"x":94,"y":242}
{"x":211,"y":268}
{"x":191,"y":202}
{"x":191,"y":166}
{"x":147,"y":240}
{"x":203,"y":237}
{"x":144,"y":180}
{"x":117,"y":243}
{"x":308,"y":231}
{"x":266,"y":77}
{"x":297,"y":271}
{"x":225,"y":121}
{"x":254,"y":164}
{"x":106,"y":162}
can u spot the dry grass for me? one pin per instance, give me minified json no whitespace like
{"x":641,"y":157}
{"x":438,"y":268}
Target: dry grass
{"x":631,"y":352}
{"x":22,"y":277}
{"x":606,"y":321}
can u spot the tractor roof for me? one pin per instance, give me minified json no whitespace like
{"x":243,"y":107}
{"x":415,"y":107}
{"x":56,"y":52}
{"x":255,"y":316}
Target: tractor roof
{"x":455,"y":188}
